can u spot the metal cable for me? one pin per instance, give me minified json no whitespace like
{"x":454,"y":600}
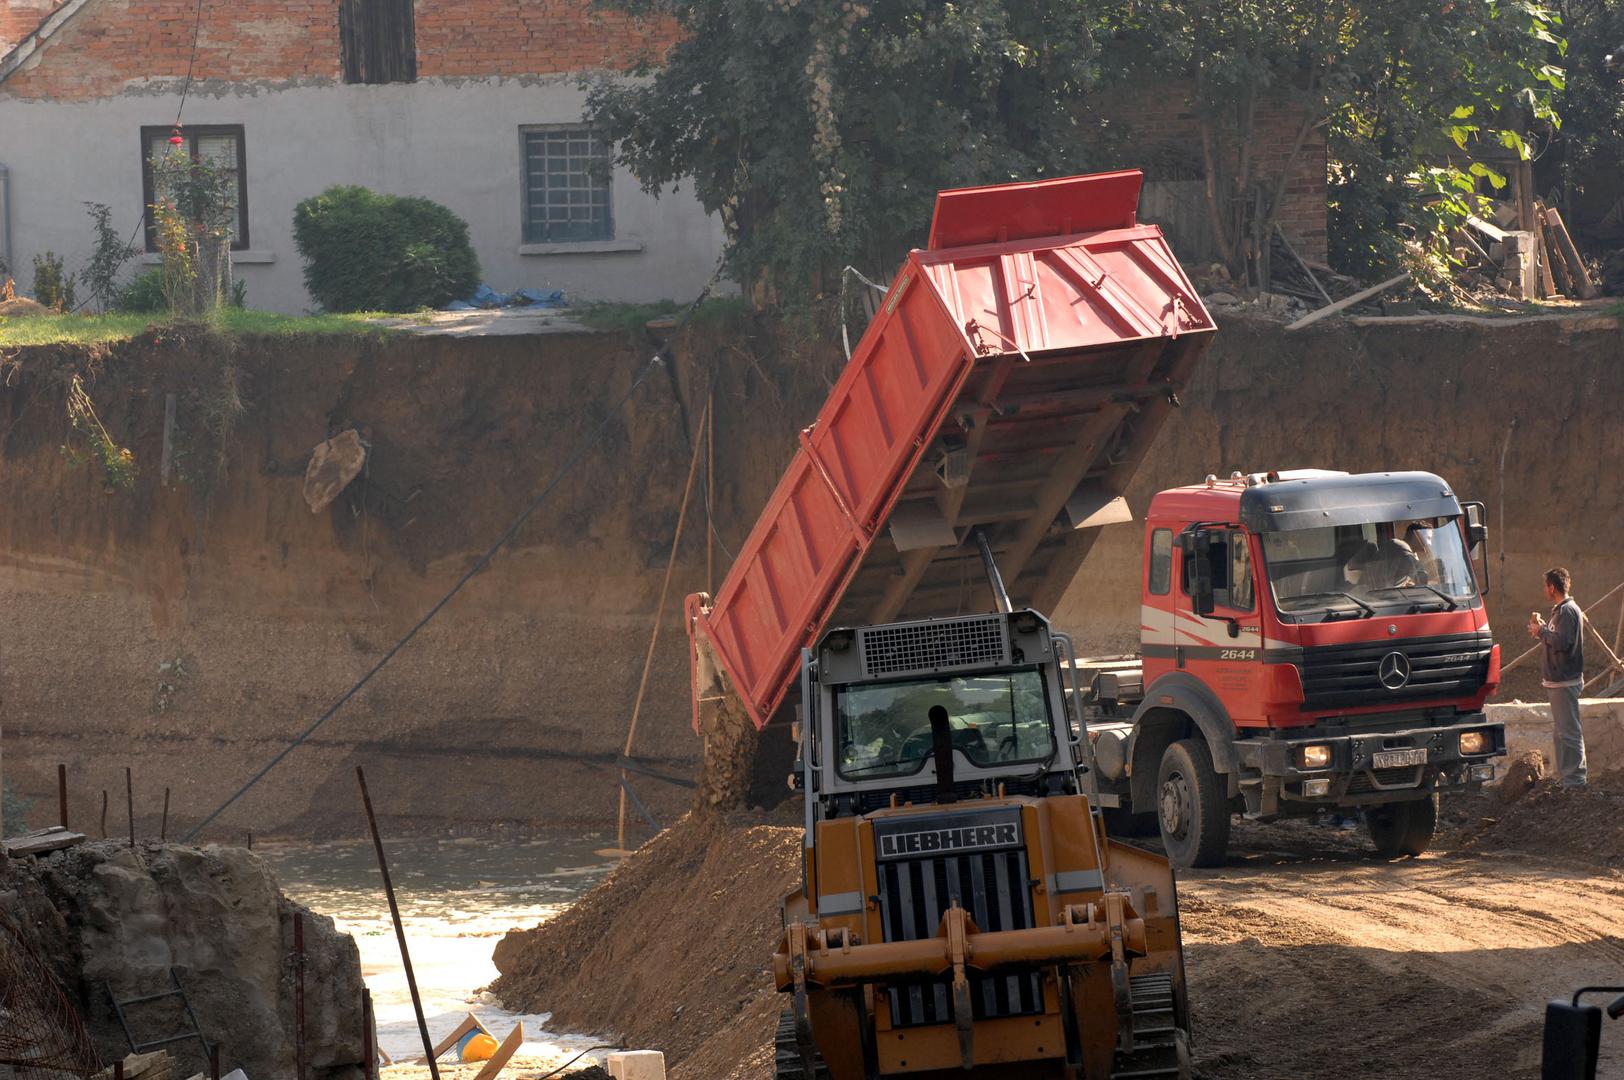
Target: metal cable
{"x":654,"y":361}
{"x":571,"y":1061}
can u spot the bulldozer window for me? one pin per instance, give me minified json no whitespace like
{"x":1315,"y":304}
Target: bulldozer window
{"x":883,"y":729}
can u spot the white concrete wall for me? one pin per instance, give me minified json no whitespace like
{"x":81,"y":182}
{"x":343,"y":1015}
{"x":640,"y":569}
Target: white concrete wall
{"x":456,"y":142}
{"x":1528,"y":727}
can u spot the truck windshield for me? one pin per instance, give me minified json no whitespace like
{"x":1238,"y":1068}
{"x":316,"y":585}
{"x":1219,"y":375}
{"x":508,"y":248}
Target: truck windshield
{"x":883,"y":729}
{"x":1358,"y":569}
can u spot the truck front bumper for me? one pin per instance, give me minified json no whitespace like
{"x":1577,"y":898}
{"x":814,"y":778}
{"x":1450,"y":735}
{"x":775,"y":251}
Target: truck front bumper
{"x":1369,"y":767}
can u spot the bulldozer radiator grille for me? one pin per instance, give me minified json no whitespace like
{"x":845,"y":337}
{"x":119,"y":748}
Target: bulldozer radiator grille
{"x":994,"y":888}
{"x":931,"y":646}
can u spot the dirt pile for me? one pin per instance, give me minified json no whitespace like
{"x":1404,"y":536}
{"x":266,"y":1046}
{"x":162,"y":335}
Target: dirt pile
{"x":108,"y":917}
{"x":1584,"y":823}
{"x":672,"y":952}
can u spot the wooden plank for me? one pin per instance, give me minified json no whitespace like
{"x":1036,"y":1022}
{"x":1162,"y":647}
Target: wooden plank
{"x":1543,"y":253}
{"x":169,"y":441}
{"x":1561,"y":272}
{"x":1581,"y":277}
{"x":1493,"y":232}
{"x":46,"y":840}
{"x":509,"y":1047}
{"x":1347,"y":302}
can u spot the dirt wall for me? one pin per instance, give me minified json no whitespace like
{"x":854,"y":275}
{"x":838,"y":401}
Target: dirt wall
{"x":1434,"y":394}
{"x":192,"y":630}
{"x":512,"y":704}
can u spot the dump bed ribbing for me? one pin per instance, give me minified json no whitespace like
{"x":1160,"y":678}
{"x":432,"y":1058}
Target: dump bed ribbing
{"x":1013,"y":379}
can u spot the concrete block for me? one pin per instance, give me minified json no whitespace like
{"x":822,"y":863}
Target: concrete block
{"x":1528,"y":727}
{"x":637,"y":1065}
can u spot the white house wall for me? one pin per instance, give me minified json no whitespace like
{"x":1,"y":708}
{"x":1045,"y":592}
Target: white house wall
{"x":454,"y":141}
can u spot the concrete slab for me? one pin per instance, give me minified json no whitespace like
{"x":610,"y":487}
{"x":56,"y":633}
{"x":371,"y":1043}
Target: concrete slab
{"x":637,"y":1065}
{"x":1528,"y":727}
{"x":496,"y":322}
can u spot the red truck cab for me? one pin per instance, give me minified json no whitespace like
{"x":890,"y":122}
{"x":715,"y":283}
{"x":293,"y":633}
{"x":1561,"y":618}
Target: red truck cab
{"x":1308,"y":640}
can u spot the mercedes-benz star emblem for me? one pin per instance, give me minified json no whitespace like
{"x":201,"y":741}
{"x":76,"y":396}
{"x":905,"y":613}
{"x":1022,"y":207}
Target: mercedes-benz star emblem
{"x":1394,"y":671}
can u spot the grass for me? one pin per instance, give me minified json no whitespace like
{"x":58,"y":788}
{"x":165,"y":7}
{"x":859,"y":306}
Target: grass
{"x":96,"y":329}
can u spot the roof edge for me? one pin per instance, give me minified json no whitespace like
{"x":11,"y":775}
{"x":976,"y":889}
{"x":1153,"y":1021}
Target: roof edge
{"x":32,"y":41}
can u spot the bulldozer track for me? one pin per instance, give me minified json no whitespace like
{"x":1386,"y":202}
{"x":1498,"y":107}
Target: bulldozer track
{"x":787,"y":1064}
{"x":1161,"y":1049}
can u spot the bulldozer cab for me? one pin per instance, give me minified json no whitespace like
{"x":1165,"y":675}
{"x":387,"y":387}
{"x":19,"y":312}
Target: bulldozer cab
{"x":935,"y":711}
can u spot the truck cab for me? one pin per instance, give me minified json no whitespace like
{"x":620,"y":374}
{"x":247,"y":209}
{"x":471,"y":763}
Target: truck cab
{"x":1309,"y":640}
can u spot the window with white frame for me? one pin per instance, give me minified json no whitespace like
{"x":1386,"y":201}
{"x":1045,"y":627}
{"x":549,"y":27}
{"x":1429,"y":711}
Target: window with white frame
{"x":566,"y":177}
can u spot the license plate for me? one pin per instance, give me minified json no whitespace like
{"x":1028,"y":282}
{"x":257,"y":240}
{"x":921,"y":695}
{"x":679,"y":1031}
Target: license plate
{"x":1393,"y":759}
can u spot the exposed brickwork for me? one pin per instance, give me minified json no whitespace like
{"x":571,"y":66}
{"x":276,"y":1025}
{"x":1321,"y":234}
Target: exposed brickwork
{"x":20,"y":17}
{"x":1161,"y":128}
{"x":541,"y":37}
{"x":113,"y":43}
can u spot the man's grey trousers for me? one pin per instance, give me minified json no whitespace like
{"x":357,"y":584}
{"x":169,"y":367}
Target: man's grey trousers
{"x":1569,"y":736}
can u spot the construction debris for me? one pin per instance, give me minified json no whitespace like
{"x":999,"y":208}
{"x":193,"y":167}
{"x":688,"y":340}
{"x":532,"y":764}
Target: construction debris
{"x":42,"y":841}
{"x":1534,"y":259}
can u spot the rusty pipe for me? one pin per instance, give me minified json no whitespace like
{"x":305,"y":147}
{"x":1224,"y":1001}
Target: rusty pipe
{"x":929,"y":958}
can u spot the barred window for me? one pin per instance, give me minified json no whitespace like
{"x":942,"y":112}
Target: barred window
{"x":566,"y":172}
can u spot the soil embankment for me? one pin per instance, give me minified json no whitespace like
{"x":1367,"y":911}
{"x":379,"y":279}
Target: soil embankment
{"x":192,"y":629}
{"x":674,"y":951}
{"x":1306,"y":955}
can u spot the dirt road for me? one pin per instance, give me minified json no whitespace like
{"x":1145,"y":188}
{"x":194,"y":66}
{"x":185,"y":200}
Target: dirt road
{"x":1309,"y":959}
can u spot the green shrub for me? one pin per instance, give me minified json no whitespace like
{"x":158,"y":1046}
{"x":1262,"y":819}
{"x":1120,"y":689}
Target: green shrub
{"x":369,"y":252}
{"x":144,"y":295}
{"x":52,"y":287}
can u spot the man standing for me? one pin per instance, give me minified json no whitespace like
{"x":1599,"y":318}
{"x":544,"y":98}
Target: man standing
{"x":1562,"y":672}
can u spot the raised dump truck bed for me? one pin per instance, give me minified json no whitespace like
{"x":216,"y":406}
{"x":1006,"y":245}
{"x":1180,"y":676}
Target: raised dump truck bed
{"x":1012,"y":380}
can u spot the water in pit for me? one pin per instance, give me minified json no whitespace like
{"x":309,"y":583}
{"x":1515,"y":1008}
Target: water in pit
{"x":457,"y":898}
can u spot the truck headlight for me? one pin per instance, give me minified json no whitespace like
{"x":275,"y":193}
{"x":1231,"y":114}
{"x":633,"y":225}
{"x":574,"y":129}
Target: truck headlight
{"x":1314,"y":756}
{"x":1474,"y":742}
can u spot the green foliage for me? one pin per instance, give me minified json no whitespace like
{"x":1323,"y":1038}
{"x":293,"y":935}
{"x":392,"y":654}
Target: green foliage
{"x":821,"y":132}
{"x":52,"y":287}
{"x":107,"y":257}
{"x":1592,"y":101}
{"x":1396,"y":88}
{"x":144,"y":294}
{"x":365,"y":251}
{"x":117,"y":462}
{"x":14,"y":809}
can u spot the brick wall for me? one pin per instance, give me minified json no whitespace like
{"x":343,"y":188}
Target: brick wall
{"x":113,"y":43}
{"x":540,"y":37}
{"x":1160,"y":134}
{"x":19,"y":17}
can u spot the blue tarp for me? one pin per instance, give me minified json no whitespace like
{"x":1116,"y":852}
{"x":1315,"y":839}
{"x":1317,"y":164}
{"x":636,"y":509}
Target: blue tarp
{"x":486,"y":297}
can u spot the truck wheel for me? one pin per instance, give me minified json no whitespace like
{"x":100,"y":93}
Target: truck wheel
{"x":787,"y":1064}
{"x":1191,"y":806}
{"x":1404,"y":828}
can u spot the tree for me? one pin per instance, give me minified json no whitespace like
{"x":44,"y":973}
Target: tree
{"x":1398,"y":89}
{"x":820,"y":131}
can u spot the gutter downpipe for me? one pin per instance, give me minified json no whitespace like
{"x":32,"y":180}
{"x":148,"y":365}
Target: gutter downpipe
{"x":5,"y":220}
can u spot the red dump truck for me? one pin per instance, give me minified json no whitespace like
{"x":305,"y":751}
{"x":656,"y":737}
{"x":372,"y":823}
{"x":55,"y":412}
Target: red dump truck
{"x":1309,"y":640}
